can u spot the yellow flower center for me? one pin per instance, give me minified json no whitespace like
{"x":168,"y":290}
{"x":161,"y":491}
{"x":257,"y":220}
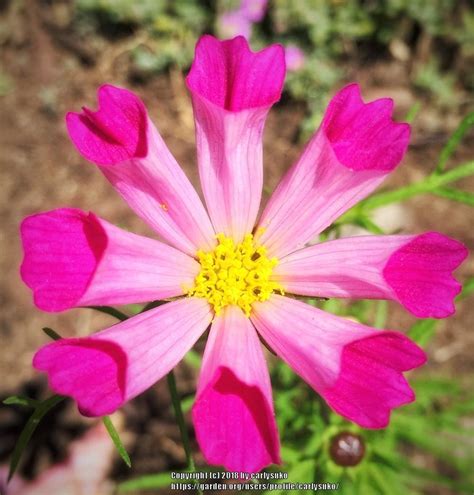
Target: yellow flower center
{"x":237,"y":274}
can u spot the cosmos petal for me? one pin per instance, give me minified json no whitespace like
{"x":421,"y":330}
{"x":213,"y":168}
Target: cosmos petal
{"x":233,"y":413}
{"x":73,"y":258}
{"x":414,"y":270}
{"x":232,"y":90}
{"x":356,"y":147}
{"x":357,"y":369}
{"x":122,"y":140}
{"x":111,"y":367}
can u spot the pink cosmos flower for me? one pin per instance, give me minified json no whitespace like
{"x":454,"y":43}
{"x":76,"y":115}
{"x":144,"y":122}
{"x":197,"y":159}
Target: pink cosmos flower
{"x":240,"y":21}
{"x":236,"y":272}
{"x":294,"y":58}
{"x":234,"y":23}
{"x":254,"y":10}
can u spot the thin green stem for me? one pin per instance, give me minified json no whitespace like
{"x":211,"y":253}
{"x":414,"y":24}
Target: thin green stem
{"x":381,"y":314}
{"x":108,"y":310}
{"x":152,"y":305}
{"x":171,"y":385}
{"x":117,"y":440}
{"x":412,"y":112}
{"x":181,"y":423}
{"x":454,"y":141}
{"x":19,"y":400}
{"x":455,"y":195}
{"x":30,"y":427}
{"x":366,"y":223}
{"x":429,"y":184}
{"x":51,"y":333}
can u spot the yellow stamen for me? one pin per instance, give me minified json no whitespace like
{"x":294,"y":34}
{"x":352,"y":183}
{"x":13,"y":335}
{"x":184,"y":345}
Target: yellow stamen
{"x":237,"y":274}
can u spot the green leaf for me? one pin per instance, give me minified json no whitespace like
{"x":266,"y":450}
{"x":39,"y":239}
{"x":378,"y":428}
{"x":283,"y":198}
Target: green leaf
{"x":290,"y":455}
{"x":134,"y":309}
{"x":455,"y":195}
{"x":459,"y":172}
{"x":187,"y":403}
{"x":30,"y":427}
{"x":385,"y":480}
{"x":18,"y":400}
{"x":412,"y":112}
{"x":176,"y":401}
{"x":429,"y":184}
{"x":51,"y":333}
{"x":154,"y":481}
{"x":453,"y":142}
{"x":433,"y":388}
{"x":193,"y":359}
{"x":117,"y":441}
{"x":366,"y":223}
{"x":108,"y":310}
{"x":153,"y":305}
{"x":332,"y":306}
{"x":148,"y":482}
{"x":467,"y":289}
{"x":381,"y":314}
{"x":430,"y":439}
{"x":422,"y":331}
{"x":302,"y":471}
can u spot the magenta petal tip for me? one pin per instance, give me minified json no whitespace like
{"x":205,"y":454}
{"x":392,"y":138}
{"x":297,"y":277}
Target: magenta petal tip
{"x":363,"y":135}
{"x":233,"y":413}
{"x":62,"y":249}
{"x":115,"y":132}
{"x":420,"y":274}
{"x":224,"y":409}
{"x":91,"y":371}
{"x":231,"y":76}
{"x":370,"y":382}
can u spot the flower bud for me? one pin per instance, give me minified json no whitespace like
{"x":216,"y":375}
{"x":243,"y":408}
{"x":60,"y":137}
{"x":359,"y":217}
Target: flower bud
{"x":347,"y":449}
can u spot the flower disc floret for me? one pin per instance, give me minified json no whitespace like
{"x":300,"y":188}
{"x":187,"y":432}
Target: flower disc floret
{"x":235,"y":274}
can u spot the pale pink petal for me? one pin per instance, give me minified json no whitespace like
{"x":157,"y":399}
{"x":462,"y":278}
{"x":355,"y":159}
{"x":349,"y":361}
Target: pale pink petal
{"x":232,"y":90}
{"x":254,"y":10}
{"x":91,"y":459}
{"x":355,"y":148}
{"x":83,"y":473}
{"x":14,"y":487}
{"x":233,"y":413}
{"x":357,"y":369}
{"x":73,"y":258}
{"x":412,"y":269}
{"x":104,"y":371}
{"x":294,"y":57}
{"x":233,"y":23}
{"x":123,"y":141}
{"x":57,"y":479}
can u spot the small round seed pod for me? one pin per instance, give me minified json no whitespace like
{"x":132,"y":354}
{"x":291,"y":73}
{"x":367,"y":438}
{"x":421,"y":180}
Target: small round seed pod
{"x":347,"y":449}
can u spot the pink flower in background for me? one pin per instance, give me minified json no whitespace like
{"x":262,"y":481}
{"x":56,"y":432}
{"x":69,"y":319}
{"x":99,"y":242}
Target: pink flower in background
{"x":235,"y":270}
{"x":239,"y":22}
{"x":294,"y":58}
{"x":83,"y":473}
{"x":234,"y":23}
{"x":254,"y":10}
